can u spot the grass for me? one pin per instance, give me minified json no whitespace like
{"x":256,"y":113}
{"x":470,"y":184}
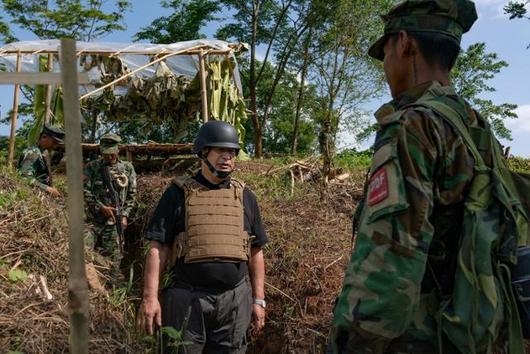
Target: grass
{"x":310,"y":244}
{"x":519,"y":164}
{"x":352,"y":160}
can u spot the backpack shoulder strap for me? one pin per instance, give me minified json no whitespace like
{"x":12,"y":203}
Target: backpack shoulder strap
{"x":454,"y":114}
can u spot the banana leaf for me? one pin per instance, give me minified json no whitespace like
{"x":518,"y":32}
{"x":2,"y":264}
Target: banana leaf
{"x":39,"y":106}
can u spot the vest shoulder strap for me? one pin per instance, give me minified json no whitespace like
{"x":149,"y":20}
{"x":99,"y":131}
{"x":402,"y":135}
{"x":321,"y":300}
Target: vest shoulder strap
{"x":239,"y":187}
{"x":186,"y":183}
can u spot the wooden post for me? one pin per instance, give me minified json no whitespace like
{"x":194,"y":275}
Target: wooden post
{"x":77,"y":286}
{"x":14,"y":116}
{"x":47,"y":111}
{"x":129,"y":154}
{"x":204,"y":93}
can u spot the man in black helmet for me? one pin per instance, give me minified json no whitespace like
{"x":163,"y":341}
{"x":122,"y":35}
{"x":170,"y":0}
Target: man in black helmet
{"x":207,"y":230}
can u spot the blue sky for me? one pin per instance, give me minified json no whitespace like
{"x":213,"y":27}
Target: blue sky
{"x":507,"y":38}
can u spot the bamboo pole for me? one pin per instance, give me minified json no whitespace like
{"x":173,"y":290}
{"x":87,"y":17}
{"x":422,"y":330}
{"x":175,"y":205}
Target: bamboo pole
{"x":130,"y":74}
{"x":77,"y":286}
{"x":14,"y":116}
{"x":38,"y":78}
{"x":204,"y":93}
{"x":47,"y":102}
{"x":191,"y":51}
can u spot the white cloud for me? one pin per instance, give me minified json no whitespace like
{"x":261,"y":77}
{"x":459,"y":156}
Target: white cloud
{"x":521,"y":124}
{"x":491,"y":9}
{"x":483,"y":4}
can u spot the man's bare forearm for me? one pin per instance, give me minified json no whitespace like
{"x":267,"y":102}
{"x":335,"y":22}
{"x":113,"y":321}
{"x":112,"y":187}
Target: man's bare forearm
{"x":257,"y":273}
{"x":154,"y":265}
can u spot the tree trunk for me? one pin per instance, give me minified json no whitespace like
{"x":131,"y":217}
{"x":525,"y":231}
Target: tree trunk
{"x":252,"y":85}
{"x":278,"y":75}
{"x":327,"y":144}
{"x":94,"y":127}
{"x":77,"y":285}
{"x":299,"y":99}
{"x":325,"y":148}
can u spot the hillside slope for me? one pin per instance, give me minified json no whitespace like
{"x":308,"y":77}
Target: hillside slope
{"x":310,"y":238}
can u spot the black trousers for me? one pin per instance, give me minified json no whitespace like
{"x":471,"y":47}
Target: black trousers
{"x":204,"y":321}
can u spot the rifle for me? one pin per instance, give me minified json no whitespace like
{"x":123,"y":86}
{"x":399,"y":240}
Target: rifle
{"x":115,"y":200}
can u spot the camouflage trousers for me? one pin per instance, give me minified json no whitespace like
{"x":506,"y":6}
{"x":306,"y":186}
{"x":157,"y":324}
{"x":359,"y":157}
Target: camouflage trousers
{"x":104,"y":240}
{"x":398,"y":346}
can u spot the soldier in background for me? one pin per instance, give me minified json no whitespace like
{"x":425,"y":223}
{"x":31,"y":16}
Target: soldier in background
{"x":102,"y":211}
{"x":35,"y":162}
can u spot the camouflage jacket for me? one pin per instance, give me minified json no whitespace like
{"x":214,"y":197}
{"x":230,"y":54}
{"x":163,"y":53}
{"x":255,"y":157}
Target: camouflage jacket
{"x":97,"y":193}
{"x":32,"y":165}
{"x":418,"y":178}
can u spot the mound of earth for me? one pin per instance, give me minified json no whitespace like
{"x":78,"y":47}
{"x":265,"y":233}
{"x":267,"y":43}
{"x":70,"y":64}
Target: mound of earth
{"x":34,"y":315}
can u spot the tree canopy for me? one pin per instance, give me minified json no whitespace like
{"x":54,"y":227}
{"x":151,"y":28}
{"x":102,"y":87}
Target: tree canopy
{"x":306,"y":77}
{"x":78,"y":19}
{"x":473,"y":70}
{"x":187,"y":19}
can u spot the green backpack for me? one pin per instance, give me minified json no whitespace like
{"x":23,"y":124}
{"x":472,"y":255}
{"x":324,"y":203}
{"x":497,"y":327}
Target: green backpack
{"x":481,"y":312}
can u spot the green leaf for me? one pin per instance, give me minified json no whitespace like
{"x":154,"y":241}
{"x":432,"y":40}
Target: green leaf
{"x":172,"y":333}
{"x":16,"y":275}
{"x":148,"y":340}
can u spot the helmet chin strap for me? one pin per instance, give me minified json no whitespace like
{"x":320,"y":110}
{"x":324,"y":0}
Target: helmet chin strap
{"x":216,"y":173}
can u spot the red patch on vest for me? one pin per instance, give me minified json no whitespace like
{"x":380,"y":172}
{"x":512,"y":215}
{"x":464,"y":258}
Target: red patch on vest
{"x":378,"y":188}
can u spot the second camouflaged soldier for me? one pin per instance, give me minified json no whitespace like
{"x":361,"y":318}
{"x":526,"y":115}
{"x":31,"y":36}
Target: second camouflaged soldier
{"x":105,"y":179}
{"x":410,"y":259}
{"x":35,"y":162}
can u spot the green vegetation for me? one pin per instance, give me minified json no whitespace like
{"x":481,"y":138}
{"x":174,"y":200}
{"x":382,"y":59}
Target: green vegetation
{"x":353,"y":160}
{"x":473,"y":70}
{"x":519,"y":164}
{"x":16,"y":275}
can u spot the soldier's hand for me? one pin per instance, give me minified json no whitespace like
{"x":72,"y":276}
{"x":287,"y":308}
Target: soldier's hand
{"x":150,"y":315}
{"x":124,"y":222}
{"x":53,"y":191}
{"x":108,"y":212}
{"x":258,"y":319}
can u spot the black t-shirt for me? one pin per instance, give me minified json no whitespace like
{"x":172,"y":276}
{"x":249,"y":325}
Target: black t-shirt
{"x":169,"y":219}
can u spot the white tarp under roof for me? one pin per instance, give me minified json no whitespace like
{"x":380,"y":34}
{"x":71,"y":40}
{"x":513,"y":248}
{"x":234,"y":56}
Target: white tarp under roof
{"x":133,"y":55}
{"x":109,"y":47}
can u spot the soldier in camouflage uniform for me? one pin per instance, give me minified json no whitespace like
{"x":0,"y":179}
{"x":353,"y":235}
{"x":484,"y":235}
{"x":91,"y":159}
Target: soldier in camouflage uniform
{"x":35,"y":163}
{"x":406,"y":242}
{"x":101,"y":212}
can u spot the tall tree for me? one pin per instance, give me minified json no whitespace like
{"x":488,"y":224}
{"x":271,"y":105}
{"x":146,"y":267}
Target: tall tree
{"x":84,"y":20}
{"x":188,"y":18}
{"x":261,"y":22}
{"x":77,"y":19}
{"x":473,"y":69}
{"x":304,"y":65}
{"x":344,"y":74}
{"x":277,"y":135}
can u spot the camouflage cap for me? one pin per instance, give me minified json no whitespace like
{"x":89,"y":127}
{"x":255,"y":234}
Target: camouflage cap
{"x":54,"y":132}
{"x":108,"y":143}
{"x":449,"y":17}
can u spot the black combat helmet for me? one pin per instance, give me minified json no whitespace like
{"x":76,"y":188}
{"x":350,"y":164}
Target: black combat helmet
{"x":216,"y":134}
